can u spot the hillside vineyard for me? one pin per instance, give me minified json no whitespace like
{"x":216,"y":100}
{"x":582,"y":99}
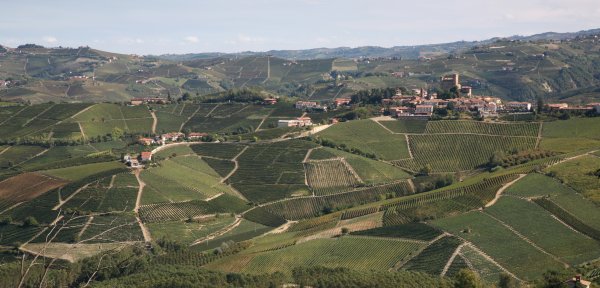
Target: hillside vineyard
{"x":475,"y":166}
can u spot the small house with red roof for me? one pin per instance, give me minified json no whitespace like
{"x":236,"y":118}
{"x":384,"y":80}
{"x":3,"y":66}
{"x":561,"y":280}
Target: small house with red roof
{"x":145,"y":156}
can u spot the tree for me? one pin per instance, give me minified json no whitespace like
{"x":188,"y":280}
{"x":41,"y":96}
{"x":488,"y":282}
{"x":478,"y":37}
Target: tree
{"x":497,"y":159}
{"x":345,"y":230}
{"x":6,"y":220}
{"x":540,"y":104}
{"x":30,"y":221}
{"x":186,"y":96}
{"x":507,"y":281}
{"x":117,"y":133}
{"x":425,"y":170}
{"x":597,"y":173}
{"x":554,"y":279}
{"x":466,"y":278}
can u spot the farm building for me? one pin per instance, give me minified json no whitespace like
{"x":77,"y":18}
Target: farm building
{"x":518,"y":106}
{"x":146,"y":156}
{"x":424,"y":110}
{"x":577,"y":282}
{"x":173,"y":136}
{"x":298,"y":122}
{"x":310,"y":105}
{"x":146,"y":141}
{"x":435,"y":102}
{"x":401,"y":111}
{"x":341,"y":101}
{"x":270,"y":101}
{"x":557,"y":106}
{"x":139,"y":101}
{"x":134,"y":163}
{"x":196,"y":135}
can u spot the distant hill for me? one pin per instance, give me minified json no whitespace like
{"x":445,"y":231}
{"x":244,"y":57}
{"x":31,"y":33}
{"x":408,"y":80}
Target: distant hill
{"x":407,"y":52}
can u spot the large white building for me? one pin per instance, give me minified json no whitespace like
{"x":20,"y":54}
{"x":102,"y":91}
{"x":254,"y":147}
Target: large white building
{"x":298,"y":122}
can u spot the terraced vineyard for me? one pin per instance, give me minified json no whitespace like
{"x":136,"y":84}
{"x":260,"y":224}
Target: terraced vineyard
{"x":405,"y":126}
{"x":330,"y":176}
{"x":500,"y":243}
{"x":295,"y":209}
{"x":540,"y":227}
{"x":415,"y":230}
{"x":484,"y":128}
{"x":357,"y":253}
{"x":275,"y":203}
{"x":162,"y":212}
{"x":371,"y":172}
{"x":455,"y":152}
{"x":433,"y":258}
{"x":272,"y":171}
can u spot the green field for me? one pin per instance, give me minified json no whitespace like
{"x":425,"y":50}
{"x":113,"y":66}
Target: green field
{"x":103,"y":118}
{"x":82,"y":171}
{"x":368,"y":137}
{"x":571,"y":135}
{"x":579,"y":175}
{"x":573,"y":128}
{"x":535,"y":185}
{"x":183,"y":178}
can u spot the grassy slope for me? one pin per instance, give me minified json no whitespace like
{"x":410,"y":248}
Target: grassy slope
{"x":82,"y":171}
{"x":579,"y":174}
{"x":570,"y":135}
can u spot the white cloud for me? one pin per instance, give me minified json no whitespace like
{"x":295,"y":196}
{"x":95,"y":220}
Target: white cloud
{"x":50,"y":39}
{"x":192,"y":39}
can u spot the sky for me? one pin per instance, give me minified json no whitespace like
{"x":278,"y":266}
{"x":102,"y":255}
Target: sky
{"x":179,"y":26}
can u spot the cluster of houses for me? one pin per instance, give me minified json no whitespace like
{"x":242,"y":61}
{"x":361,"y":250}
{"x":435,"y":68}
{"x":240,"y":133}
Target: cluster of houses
{"x":313,"y":106}
{"x":422,"y":104}
{"x":139,"y":161}
{"x":155,"y":100}
{"x":310,"y":106}
{"x":565,"y":107}
{"x":171,"y":137}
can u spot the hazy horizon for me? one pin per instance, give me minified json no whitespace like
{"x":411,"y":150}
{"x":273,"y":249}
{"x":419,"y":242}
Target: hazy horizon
{"x":150,"y":27}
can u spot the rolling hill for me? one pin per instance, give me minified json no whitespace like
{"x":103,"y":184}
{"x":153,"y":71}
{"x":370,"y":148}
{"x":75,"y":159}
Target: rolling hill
{"x":555,"y":66}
